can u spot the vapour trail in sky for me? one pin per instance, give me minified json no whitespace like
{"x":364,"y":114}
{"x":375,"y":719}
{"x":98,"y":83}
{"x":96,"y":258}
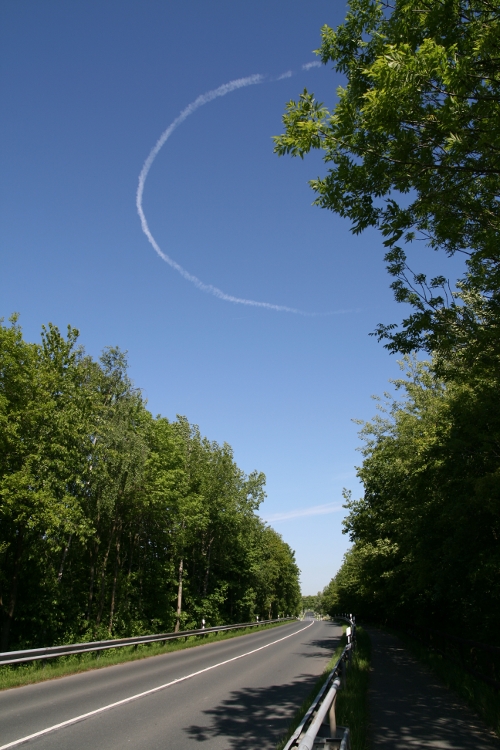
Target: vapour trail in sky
{"x":314,"y":510}
{"x":208,"y":288}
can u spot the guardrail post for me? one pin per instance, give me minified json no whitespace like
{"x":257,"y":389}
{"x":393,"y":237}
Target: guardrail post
{"x":348,"y":633}
{"x":346,"y":740}
{"x":332,"y":718}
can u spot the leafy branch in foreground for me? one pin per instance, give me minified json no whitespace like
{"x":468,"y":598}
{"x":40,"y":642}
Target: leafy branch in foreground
{"x":412,"y":148}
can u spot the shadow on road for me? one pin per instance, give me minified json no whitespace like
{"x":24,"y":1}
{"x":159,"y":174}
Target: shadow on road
{"x":410,"y":708}
{"x":254,"y":717}
{"x":324,"y":646}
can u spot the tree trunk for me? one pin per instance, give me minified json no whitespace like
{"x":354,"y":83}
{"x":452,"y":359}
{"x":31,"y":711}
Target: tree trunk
{"x":115,"y":578}
{"x":132,"y":545}
{"x":131,"y":556}
{"x":93,"y":562}
{"x":179,"y":598}
{"x":207,"y":570}
{"x":10,"y":609}
{"x":103,"y":576}
{"x":61,"y":567}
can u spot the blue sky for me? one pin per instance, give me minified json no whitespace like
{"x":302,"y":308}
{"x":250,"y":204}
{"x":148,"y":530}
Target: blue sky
{"x":87,"y":88}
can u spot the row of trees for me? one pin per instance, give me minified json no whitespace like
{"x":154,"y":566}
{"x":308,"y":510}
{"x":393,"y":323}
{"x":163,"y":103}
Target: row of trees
{"x":426,"y":532}
{"x":412,"y":148}
{"x":113,"y":522}
{"x":312,"y":603}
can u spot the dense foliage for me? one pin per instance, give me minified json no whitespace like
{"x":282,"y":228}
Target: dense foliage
{"x":413,"y":148}
{"x":113,"y":522}
{"x":313,"y":603}
{"x":426,"y":532}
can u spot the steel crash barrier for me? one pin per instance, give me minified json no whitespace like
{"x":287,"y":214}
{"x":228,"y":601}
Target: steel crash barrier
{"x":318,"y":728}
{"x":34,"y":654}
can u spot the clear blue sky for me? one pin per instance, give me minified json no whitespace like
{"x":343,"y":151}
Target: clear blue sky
{"x":87,"y":87}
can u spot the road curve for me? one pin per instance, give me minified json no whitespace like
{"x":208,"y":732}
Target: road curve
{"x":239,"y":693}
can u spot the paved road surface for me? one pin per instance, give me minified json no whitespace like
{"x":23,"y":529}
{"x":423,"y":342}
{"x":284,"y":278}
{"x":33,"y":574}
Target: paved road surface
{"x":409,"y":708}
{"x":246,"y":702}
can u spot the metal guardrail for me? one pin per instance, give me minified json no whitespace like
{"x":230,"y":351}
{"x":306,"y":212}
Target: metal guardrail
{"x":311,"y":731}
{"x":34,"y":654}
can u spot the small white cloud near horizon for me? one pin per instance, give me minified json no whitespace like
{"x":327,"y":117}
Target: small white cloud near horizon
{"x":288,"y":74}
{"x":314,"y":64}
{"x":314,"y":510}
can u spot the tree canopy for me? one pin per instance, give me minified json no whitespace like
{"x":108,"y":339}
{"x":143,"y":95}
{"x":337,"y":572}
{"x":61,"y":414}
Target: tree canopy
{"x":115,"y":522}
{"x":412,"y":148}
{"x":426,"y":531}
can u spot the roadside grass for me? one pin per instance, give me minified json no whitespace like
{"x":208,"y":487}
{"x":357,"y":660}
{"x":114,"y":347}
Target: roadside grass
{"x":479,"y":696}
{"x":352,"y":702}
{"x":16,"y":675}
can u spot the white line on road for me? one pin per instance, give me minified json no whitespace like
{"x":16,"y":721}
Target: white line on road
{"x":76,"y":719}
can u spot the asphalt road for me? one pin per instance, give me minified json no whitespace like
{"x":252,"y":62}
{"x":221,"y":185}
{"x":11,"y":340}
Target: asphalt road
{"x":240,"y":693}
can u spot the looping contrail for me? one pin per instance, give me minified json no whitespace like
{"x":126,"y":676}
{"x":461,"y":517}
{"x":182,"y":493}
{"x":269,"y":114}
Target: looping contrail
{"x":209,"y":288}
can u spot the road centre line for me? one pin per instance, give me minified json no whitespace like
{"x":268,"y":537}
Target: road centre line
{"x":76,"y":719}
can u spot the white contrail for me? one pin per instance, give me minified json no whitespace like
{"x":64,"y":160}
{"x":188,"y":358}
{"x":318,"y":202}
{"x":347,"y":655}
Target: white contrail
{"x":314,"y":510}
{"x":226,"y":88}
{"x":199,"y":102}
{"x":314,"y":64}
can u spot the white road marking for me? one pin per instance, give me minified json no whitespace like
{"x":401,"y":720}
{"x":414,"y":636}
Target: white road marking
{"x":76,"y":719}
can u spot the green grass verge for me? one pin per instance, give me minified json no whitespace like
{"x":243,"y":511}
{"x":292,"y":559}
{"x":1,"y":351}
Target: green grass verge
{"x":16,"y":675}
{"x":479,"y":696}
{"x":352,"y":702}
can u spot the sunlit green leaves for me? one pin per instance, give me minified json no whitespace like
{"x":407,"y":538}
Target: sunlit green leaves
{"x":425,"y":533}
{"x":412,"y":147}
{"x":100,"y":502}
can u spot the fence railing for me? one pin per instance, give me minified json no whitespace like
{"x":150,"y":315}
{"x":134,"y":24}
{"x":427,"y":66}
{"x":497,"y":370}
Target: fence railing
{"x":34,"y":654}
{"x":319,"y":727}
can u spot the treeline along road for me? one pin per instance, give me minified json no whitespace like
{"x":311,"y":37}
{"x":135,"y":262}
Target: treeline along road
{"x":406,"y":152}
{"x":114,"y":522}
